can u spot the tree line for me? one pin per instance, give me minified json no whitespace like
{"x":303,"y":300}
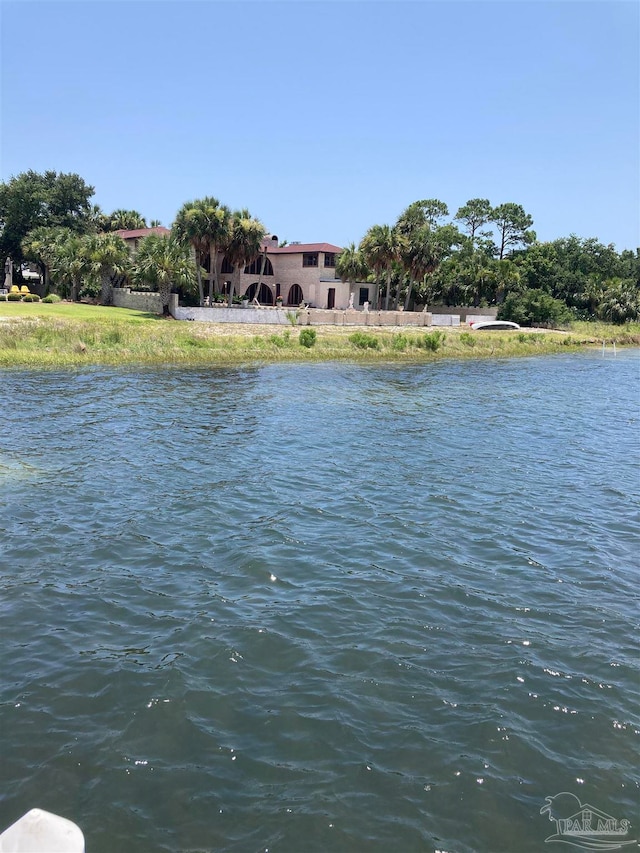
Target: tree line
{"x":483,"y":255}
{"x":490,"y":256}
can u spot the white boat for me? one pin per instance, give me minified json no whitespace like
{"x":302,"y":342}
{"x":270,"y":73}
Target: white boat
{"x":39,"y":831}
{"x":488,"y":325}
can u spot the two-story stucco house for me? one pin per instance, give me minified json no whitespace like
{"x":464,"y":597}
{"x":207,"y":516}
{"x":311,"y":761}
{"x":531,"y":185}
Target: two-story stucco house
{"x":296,"y":273}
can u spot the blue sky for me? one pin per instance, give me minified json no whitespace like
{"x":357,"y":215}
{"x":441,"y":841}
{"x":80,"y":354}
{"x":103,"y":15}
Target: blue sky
{"x":324,"y":118}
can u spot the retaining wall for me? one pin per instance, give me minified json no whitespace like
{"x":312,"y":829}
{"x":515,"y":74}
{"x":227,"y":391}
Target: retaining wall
{"x":323,"y":317}
{"x":275,"y":316}
{"x":465,"y":312}
{"x":123,"y":297}
{"x":305,"y":316}
{"x":445,"y":320}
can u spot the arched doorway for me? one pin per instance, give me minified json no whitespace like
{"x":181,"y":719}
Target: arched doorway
{"x":295,"y":296}
{"x":265,"y":296}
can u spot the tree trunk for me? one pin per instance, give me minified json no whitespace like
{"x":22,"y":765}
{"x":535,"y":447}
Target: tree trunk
{"x":199,"y":275}
{"x":218,"y":263}
{"x":165,"y":294}
{"x":106,"y":296}
{"x":213,"y":280}
{"x":386,"y":297}
{"x":397,"y":299}
{"x":235,"y":273}
{"x":407,"y":298}
{"x":503,"y":243}
{"x":376,"y":293}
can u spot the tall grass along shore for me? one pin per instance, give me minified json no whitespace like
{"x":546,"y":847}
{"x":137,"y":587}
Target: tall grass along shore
{"x":69,"y":335}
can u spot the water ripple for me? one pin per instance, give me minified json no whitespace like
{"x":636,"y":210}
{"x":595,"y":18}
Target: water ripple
{"x":324,"y":607}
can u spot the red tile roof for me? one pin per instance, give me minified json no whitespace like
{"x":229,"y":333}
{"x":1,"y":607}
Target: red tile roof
{"x":142,"y":232}
{"x":293,"y":248}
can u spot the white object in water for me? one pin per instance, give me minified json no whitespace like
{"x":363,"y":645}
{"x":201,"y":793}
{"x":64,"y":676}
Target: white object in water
{"x":42,"y":832}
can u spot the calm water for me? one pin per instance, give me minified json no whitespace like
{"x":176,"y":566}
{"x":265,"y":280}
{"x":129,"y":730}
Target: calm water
{"x":321,"y":608}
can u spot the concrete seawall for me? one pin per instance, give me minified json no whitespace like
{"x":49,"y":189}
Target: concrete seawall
{"x":125,"y":298}
{"x":304,"y":317}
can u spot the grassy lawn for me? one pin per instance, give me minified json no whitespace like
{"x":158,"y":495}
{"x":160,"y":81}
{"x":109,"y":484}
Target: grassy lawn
{"x":69,"y":335}
{"x":72,"y":311}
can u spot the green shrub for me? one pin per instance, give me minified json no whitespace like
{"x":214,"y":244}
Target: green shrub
{"x":399,"y":342}
{"x":14,"y":297}
{"x":280,"y":340}
{"x":431,"y":341}
{"x":364,"y":340}
{"x":52,"y":297}
{"x":467,"y":339}
{"x":534,"y":308}
{"x":307,"y":337}
{"x":90,"y":290}
{"x":31,"y":297}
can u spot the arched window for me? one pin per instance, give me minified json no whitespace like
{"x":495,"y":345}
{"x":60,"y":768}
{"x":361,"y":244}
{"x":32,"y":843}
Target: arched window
{"x":295,"y":296}
{"x":226,"y":267}
{"x":255,"y":267}
{"x":265,"y":297}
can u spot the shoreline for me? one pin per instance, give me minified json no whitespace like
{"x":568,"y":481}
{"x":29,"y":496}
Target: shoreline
{"x":71,"y":335}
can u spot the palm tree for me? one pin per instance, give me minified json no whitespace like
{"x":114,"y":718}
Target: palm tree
{"x":506,"y":279}
{"x":218,"y":233}
{"x":107,"y":255}
{"x":189,"y":229}
{"x":97,"y":220}
{"x":40,"y":245}
{"x":163,"y":262}
{"x":593,"y":292}
{"x":204,"y":224}
{"x":70,"y":265}
{"x":125,"y":220}
{"x":620,"y":301}
{"x":425,"y":250}
{"x":415,"y":258}
{"x":381,"y":247}
{"x":351,"y":267}
{"x":245,"y":236}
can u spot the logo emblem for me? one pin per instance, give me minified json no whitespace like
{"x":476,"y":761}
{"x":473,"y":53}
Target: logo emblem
{"x":585,"y":826}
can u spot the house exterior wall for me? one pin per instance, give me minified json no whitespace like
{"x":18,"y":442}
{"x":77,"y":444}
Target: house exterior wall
{"x":314,"y":282}
{"x":288,"y":267}
{"x":289,"y":270}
